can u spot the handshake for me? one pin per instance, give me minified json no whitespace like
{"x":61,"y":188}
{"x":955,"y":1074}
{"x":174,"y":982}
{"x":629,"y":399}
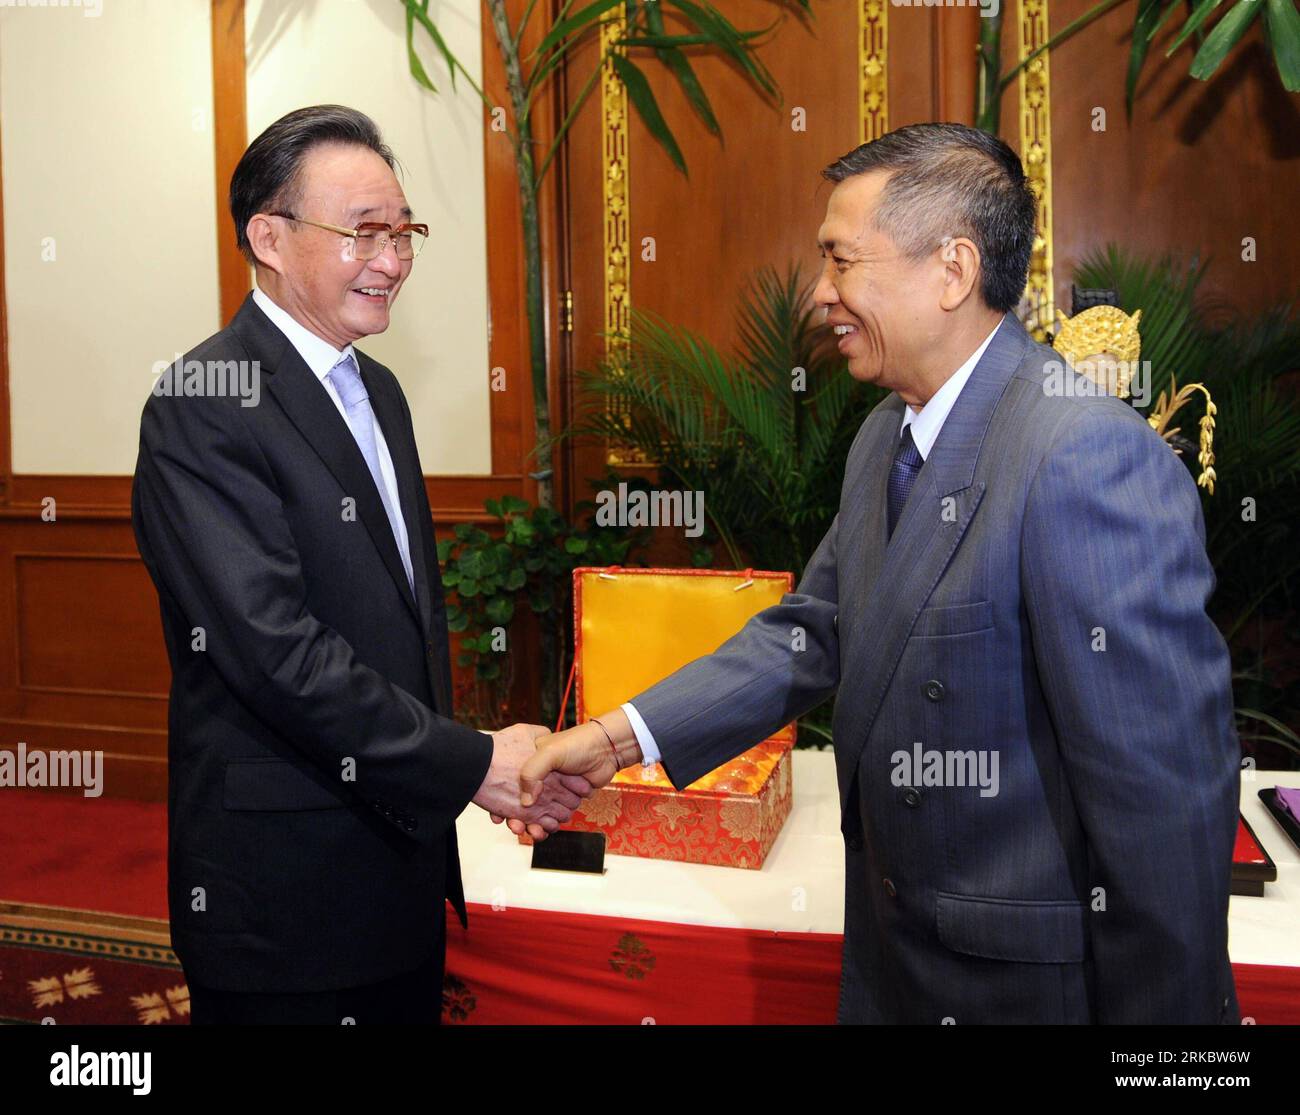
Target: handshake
{"x":536,"y":780}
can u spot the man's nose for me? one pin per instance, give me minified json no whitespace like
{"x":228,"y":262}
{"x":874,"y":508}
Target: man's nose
{"x":386,"y":262}
{"x":824,"y":293}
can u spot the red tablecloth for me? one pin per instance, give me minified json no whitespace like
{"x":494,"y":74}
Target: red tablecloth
{"x":538,"y":967}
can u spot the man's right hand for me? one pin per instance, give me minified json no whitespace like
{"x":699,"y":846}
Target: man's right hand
{"x":593,"y":752}
{"x":559,"y":795}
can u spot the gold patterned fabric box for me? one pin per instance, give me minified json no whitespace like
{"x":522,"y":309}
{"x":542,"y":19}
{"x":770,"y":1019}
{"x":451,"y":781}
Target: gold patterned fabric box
{"x":634,"y":627}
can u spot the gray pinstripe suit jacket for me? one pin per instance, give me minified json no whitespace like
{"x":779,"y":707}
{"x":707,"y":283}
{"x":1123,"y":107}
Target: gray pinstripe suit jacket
{"x":1042,"y":605}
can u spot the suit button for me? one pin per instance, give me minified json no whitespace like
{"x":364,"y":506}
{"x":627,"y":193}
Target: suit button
{"x":408,"y":823}
{"x":911,"y":797}
{"x":934,"y":690}
{"x":853,"y":843}
{"x":429,"y":648}
{"x":889,"y":888}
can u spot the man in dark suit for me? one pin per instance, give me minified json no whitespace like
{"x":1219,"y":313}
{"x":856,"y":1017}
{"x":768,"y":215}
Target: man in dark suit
{"x":315,"y":773}
{"x":1033,"y":730}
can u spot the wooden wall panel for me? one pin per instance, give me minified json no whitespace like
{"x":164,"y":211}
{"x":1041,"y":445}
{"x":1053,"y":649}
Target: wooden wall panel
{"x":754,"y":197}
{"x":87,"y":625}
{"x":82,"y":664}
{"x":1201,"y":165}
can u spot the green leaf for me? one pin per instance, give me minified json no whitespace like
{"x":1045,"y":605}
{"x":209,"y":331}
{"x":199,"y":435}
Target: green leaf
{"x":489,"y":671}
{"x":500,"y":610}
{"x":444,"y":550}
{"x":467,"y":587}
{"x":1227,"y":32}
{"x":1284,"y":33}
{"x":493,"y":508}
{"x":457,"y":620}
{"x":451,"y":578}
{"x":513,"y":505}
{"x":730,"y":40}
{"x":575,"y":545}
{"x":678,"y":65}
{"x":1171,"y":7}
{"x":576,"y":22}
{"x":643,"y":100}
{"x":1289,"y":738}
{"x":471,"y":564}
{"x":421,"y":13}
{"x":417,"y":67}
{"x":516,"y":579}
{"x":1198,"y":16}
{"x":664,"y":43}
{"x":1148,"y":15}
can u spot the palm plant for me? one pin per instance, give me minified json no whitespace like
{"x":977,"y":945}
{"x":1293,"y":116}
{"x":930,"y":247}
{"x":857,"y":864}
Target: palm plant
{"x":1213,"y":44}
{"x":639,"y":31}
{"x":1250,"y":518}
{"x":763,"y":432}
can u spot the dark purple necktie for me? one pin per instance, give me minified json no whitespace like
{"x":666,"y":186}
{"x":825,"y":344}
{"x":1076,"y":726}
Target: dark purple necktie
{"x":902,"y":475}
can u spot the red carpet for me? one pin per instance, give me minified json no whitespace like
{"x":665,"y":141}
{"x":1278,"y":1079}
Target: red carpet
{"x":87,"y":853}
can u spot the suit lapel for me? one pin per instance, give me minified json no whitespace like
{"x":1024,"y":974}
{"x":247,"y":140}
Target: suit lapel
{"x":897,"y":578}
{"x":406,"y":464}
{"x":862,"y":519}
{"x":310,"y":409}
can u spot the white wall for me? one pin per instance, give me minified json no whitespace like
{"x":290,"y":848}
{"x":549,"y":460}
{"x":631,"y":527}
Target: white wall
{"x":353,"y":52}
{"x":106,"y":134}
{"x":105,"y":122}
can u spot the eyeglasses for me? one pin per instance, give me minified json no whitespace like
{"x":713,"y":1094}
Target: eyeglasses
{"x":372,"y":238}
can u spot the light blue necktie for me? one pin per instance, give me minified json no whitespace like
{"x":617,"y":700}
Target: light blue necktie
{"x":346,"y":377}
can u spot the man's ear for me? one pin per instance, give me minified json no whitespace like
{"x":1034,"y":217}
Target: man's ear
{"x":961,"y":269}
{"x":264,"y":238}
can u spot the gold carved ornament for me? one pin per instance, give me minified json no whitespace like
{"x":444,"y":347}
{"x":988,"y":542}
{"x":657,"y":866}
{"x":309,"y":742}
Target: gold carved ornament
{"x":873,"y":75}
{"x":1036,"y":153}
{"x":1103,"y":341}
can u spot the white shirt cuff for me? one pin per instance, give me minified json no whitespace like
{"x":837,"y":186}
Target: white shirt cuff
{"x":649,"y":749}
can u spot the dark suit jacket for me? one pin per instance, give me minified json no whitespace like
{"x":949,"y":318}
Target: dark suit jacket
{"x":1093,"y":885}
{"x":315,"y":775}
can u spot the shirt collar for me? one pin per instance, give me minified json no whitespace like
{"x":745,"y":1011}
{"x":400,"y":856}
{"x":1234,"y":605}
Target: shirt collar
{"x":927,"y":424}
{"x":319,"y":355}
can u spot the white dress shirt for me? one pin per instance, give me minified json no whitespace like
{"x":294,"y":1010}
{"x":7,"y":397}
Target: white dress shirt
{"x":321,"y":356}
{"x":926,"y":424}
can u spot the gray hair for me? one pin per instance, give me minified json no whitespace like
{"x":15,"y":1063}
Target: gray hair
{"x":952,"y":180}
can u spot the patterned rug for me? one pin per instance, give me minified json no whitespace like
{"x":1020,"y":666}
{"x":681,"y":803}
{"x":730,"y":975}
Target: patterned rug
{"x":83,"y":967}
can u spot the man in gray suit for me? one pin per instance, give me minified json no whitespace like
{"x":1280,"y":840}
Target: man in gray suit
{"x":1034,"y":737}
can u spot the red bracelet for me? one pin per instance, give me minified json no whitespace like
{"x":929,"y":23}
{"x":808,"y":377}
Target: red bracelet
{"x":617,"y":764}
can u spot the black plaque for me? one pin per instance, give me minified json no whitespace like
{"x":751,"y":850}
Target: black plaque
{"x":571,"y":851}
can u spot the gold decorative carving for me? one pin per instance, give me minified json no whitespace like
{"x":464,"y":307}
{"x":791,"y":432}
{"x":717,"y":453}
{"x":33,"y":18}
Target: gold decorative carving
{"x":873,"y":45}
{"x":617,"y":198}
{"x":1036,"y":151}
{"x":613,"y":103}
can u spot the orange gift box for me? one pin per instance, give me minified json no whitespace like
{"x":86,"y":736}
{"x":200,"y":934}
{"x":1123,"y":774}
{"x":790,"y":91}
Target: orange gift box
{"x":634,"y":627}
